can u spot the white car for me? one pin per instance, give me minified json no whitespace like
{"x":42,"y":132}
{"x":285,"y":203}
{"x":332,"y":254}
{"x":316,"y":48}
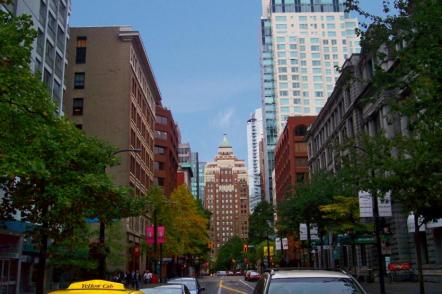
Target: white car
{"x":308,"y":281}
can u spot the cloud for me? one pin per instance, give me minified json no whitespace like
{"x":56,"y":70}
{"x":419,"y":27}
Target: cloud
{"x":224,"y":119}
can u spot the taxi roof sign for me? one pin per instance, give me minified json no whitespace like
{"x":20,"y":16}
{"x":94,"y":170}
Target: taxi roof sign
{"x":96,"y":285}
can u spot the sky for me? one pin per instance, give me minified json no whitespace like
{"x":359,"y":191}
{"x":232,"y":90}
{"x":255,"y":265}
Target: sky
{"x":205,"y":57}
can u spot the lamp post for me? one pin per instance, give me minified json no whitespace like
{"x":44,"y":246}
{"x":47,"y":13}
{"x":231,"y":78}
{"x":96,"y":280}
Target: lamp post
{"x":102,"y":238}
{"x":377,"y":225}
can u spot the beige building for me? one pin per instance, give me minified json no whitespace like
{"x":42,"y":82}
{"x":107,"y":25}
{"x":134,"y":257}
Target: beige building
{"x":111,"y":94}
{"x":227,"y":196}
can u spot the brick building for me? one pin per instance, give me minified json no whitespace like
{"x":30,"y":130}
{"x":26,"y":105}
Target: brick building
{"x":166,"y":150}
{"x":111,"y":94}
{"x":291,"y":164}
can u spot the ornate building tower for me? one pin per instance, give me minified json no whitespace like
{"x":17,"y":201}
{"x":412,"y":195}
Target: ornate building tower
{"x":227,"y":196}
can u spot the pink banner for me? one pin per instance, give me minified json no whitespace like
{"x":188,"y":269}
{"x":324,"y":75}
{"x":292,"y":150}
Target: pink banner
{"x":161,"y":231}
{"x":150,"y":238}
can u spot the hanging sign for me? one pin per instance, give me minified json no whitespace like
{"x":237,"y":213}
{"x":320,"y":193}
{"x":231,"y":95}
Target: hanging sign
{"x":150,"y":238}
{"x":366,"y":204}
{"x":161,"y":232}
{"x":303,"y":232}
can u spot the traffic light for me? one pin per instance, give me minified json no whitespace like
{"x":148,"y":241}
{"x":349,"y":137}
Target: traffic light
{"x":245,"y":248}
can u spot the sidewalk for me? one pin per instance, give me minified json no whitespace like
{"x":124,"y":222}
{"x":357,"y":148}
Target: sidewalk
{"x":403,"y":288}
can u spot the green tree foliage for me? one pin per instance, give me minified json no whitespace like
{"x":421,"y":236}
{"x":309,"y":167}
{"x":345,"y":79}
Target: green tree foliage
{"x":405,"y":45}
{"x":230,"y":254}
{"x":342,"y":216}
{"x":50,"y":172}
{"x":261,"y":222}
{"x":185,"y":221}
{"x":303,"y":205}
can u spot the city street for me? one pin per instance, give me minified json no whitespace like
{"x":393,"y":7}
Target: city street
{"x":226,"y":285}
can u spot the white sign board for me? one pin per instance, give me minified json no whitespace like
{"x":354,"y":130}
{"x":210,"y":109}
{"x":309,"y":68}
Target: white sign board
{"x":278,"y":243}
{"x":366,"y":205}
{"x":303,"y":232}
{"x":410,"y":224}
{"x":285,"y":243}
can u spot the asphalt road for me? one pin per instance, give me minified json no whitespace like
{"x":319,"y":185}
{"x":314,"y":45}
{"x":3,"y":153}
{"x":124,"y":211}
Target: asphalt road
{"x":226,"y":285}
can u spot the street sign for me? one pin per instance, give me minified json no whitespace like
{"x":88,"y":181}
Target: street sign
{"x":313,"y":232}
{"x":366,"y":204}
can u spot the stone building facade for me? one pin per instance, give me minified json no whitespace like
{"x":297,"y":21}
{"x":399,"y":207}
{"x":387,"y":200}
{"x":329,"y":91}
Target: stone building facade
{"x":344,"y":117}
{"x":227,"y":196}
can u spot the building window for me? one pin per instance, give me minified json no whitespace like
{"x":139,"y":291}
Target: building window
{"x":77,"y":106}
{"x":80,"y":53}
{"x":79,"y":126}
{"x":300,"y":178}
{"x":79,"y":80}
{"x":300,"y":130}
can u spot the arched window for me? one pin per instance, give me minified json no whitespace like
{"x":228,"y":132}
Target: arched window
{"x":300,"y":130}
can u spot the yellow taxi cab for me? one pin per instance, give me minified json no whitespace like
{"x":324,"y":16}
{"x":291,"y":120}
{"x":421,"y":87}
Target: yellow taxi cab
{"x":96,"y":287}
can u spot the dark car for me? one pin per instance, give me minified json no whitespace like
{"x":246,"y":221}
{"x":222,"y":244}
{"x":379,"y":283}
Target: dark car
{"x":308,"y":281}
{"x":191,"y":283}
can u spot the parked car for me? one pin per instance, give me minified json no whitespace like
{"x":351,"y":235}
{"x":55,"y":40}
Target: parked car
{"x":253,"y":276}
{"x":167,"y":289}
{"x":221,"y":273}
{"x":192,"y":284}
{"x":229,"y":273}
{"x":238,"y":273}
{"x":308,"y":281}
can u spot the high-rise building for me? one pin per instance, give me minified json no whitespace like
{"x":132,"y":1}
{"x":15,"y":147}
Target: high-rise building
{"x":227,"y":196}
{"x":48,"y":56}
{"x":184,"y":153}
{"x":166,"y":150}
{"x":254,"y":135}
{"x":303,"y":42}
{"x":198,"y":176}
{"x":111,"y":94}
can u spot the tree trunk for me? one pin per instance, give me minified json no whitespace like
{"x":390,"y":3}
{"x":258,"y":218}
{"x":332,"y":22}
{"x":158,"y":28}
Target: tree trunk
{"x":310,"y":259}
{"x":41,"y":266}
{"x":417,"y":240}
{"x":322,"y":249}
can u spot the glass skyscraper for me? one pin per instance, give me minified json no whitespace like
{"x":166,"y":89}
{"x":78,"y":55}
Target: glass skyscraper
{"x":302,"y":44}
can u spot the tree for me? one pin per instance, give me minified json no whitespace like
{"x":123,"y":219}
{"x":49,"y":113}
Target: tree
{"x":229,"y":254}
{"x":50,"y":171}
{"x":188,"y":231}
{"x":303,"y":205}
{"x":261,"y":222}
{"x":405,"y":44}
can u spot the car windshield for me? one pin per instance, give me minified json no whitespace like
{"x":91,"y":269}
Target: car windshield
{"x":314,"y":286}
{"x":191,"y":284}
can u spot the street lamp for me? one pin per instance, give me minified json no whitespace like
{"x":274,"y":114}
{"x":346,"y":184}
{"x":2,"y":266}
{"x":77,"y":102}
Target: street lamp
{"x":102,"y":256}
{"x":377,"y":225}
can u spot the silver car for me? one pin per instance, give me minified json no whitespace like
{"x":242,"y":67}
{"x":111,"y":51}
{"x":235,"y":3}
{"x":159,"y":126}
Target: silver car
{"x":308,"y":282}
{"x":192,"y":284}
{"x":167,"y":289}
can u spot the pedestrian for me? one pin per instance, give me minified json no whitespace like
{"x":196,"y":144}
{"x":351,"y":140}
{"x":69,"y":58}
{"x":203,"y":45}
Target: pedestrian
{"x":137,"y":280}
{"x":149,"y":277}
{"x":145,"y":277}
{"x":132,"y":279}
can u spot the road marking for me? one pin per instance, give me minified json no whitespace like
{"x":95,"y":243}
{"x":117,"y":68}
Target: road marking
{"x":219,"y":286}
{"x":250,"y":287}
{"x":231,"y":289}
